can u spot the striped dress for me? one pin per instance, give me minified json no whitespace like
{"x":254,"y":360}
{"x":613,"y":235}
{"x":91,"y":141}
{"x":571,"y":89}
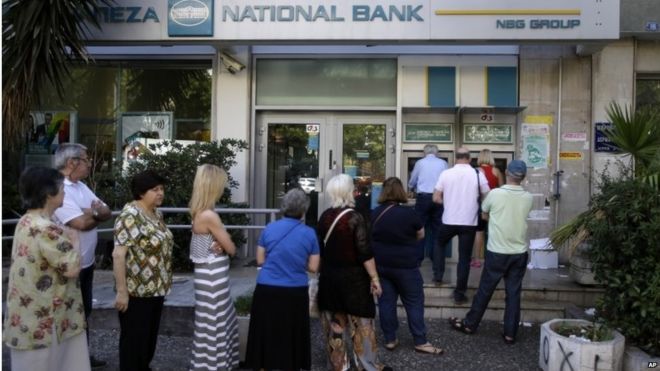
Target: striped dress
{"x":215,"y":343}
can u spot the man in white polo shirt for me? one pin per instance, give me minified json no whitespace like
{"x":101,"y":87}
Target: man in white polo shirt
{"x":459,"y":189}
{"x":83,"y":211}
{"x":506,"y":209}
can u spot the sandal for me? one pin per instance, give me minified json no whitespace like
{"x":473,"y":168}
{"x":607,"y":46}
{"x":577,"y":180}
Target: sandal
{"x":458,"y":325}
{"x":508,"y":340}
{"x":428,"y":348}
{"x":392,"y":345}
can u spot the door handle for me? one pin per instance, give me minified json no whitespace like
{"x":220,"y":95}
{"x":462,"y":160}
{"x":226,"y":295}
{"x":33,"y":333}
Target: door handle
{"x":330,"y":160}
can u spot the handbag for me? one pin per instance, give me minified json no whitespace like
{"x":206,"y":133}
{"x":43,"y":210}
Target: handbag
{"x":313,"y":283}
{"x":481,"y":223}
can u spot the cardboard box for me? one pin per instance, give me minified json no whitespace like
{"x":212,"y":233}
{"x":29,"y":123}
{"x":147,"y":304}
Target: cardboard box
{"x":544,"y":259}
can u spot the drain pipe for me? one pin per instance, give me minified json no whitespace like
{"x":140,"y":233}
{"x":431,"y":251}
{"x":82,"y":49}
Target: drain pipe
{"x":558,"y":173}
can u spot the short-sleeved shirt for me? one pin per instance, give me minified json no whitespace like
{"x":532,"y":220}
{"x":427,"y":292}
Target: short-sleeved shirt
{"x":39,"y":296}
{"x":394,"y":236}
{"x":288,"y":243}
{"x":149,"y":246}
{"x":507,"y":208}
{"x":78,"y":196}
{"x":460,"y":194}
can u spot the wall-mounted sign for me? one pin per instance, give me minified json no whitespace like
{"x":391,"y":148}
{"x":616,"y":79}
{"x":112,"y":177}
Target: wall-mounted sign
{"x":487,"y":134}
{"x":49,"y":129}
{"x":428,"y":133}
{"x":154,"y":125}
{"x":570,"y":155}
{"x":535,"y":145}
{"x":190,"y":17}
{"x":574,"y":137}
{"x":353,"y":20}
{"x":603,"y":143}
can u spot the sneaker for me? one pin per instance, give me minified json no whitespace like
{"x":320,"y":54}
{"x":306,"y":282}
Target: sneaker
{"x":96,"y":363}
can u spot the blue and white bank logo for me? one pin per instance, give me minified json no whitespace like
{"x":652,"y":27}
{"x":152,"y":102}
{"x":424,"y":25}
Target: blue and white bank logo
{"x":190,"y":18}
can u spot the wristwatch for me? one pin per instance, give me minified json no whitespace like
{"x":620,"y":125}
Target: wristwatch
{"x":95,"y":213}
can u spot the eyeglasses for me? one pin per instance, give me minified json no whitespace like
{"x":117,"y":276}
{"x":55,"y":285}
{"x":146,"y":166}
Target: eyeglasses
{"x":86,"y":160}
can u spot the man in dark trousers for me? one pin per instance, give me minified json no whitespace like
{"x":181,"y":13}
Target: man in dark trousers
{"x":459,"y":189}
{"x":82,"y":211}
{"x":506,"y":209}
{"x":425,"y":174}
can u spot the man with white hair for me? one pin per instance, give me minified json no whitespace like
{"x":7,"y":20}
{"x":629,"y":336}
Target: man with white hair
{"x":422,"y":179}
{"x":82,"y":211}
{"x":459,"y":189}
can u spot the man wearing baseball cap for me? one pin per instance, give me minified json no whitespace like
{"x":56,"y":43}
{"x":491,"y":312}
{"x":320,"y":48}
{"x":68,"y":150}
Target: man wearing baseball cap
{"x":506,"y":209}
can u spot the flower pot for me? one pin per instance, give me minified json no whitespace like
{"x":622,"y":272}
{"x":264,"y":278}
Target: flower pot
{"x":581,"y":267}
{"x":243,"y":329}
{"x":638,"y":360}
{"x":558,"y":352}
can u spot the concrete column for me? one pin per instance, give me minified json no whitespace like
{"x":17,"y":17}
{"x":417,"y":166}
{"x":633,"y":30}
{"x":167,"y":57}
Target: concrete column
{"x":232,"y":114}
{"x":613,"y":80}
{"x":555,"y":82}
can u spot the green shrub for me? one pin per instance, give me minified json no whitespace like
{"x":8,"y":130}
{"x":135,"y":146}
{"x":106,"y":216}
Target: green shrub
{"x":178,"y":164}
{"x":625,"y":234}
{"x":243,"y":305}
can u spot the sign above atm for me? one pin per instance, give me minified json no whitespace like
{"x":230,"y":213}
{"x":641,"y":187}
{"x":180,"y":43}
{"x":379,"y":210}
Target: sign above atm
{"x":353,"y":20}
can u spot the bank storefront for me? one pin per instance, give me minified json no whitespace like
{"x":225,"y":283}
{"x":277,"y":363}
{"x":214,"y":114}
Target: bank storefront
{"x":319,"y":88}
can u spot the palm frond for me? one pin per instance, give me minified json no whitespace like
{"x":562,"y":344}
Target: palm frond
{"x":636,"y":133}
{"x":40,"y":39}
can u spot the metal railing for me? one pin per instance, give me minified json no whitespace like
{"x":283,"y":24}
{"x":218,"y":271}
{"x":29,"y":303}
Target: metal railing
{"x":271,"y":215}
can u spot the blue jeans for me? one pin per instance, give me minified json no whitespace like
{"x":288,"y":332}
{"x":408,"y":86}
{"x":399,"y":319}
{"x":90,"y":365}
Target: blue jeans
{"x":430,"y":214}
{"x":407,"y":283}
{"x":497,"y":266}
{"x":465,"y":235}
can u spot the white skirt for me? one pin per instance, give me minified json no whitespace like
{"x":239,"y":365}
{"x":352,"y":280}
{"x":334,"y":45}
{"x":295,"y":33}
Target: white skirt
{"x":71,"y":354}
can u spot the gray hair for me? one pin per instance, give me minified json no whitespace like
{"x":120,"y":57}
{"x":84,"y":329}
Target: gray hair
{"x":295,"y":203}
{"x":514,"y":178}
{"x":340,"y":189}
{"x":430,"y":149}
{"x":67,"y":151}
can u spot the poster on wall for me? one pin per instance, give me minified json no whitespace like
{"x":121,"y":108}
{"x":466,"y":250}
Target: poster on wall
{"x":536,"y":145}
{"x":152,"y":125}
{"x":48,"y":130}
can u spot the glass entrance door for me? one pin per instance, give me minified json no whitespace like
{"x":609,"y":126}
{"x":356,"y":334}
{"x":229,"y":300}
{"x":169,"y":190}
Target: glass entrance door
{"x":305,"y":150}
{"x":364,"y":157}
{"x":293,"y":162}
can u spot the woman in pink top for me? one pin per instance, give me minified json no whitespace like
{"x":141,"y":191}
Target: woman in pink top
{"x":486,"y":165}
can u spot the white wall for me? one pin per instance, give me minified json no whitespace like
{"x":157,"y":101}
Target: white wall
{"x":231,"y":114}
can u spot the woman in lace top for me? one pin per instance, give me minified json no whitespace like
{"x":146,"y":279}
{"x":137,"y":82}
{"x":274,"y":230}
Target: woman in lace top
{"x":348,"y":279}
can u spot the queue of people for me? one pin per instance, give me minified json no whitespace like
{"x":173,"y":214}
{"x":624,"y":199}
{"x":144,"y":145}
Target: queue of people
{"x":360,"y":263}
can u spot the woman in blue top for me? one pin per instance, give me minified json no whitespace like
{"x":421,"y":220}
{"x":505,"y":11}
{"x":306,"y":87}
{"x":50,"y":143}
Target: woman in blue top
{"x":395,"y":230}
{"x":279,"y":335}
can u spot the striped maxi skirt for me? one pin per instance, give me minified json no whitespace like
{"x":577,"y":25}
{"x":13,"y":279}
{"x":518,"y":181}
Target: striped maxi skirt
{"x":215,"y":342}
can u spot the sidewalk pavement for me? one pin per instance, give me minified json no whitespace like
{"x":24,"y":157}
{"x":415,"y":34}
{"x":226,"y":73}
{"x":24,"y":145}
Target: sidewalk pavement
{"x":484,"y":350}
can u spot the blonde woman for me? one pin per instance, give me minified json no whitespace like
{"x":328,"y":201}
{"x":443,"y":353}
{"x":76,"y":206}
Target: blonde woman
{"x":486,"y":165}
{"x":215,"y":343}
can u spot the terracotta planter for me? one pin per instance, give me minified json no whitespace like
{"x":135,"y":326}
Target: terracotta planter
{"x":558,"y":352}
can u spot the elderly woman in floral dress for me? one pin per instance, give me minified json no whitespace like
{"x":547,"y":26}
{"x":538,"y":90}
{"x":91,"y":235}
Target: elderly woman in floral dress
{"x":45,"y":322}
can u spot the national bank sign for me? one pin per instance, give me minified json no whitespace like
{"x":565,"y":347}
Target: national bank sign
{"x":190,"y":18}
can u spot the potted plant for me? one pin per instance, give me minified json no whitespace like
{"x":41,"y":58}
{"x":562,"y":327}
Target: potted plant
{"x":622,"y":226}
{"x":575,"y":344}
{"x":243,"y":305}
